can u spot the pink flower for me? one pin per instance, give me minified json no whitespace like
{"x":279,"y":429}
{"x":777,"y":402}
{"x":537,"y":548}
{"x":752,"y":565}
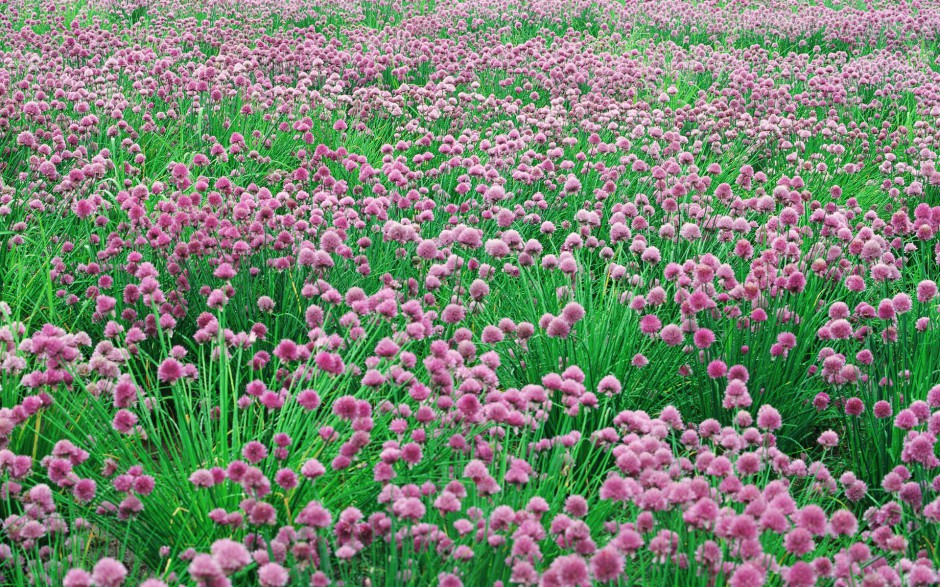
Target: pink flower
{"x":409,"y":508}
{"x":609,"y":385}
{"x":569,"y":571}
{"x":703,"y":338}
{"x":254,"y":452}
{"x":650,"y":324}
{"x":108,"y":573}
{"x":572,"y":313}
{"x":346,"y":407}
{"x":901,"y":303}
{"x":882,"y":409}
{"x":812,"y":518}
{"x":843,"y":523}
{"x":828,"y":439}
{"x":801,"y":574}
{"x":77,"y":578}
{"x":312,"y":469}
{"x":170,"y":371}
{"x":576,"y":506}
{"x":607,"y":565}
{"x":273,"y":575}
{"x":84,"y":490}
{"x":308,"y":399}
{"x":906,"y":419}
{"x":558,"y":328}
{"x":717,"y":369}
{"x":747,"y":575}
{"x":854,"y":406}
{"x":768,"y":418}
{"x":671,"y":335}
{"x":798,"y":542}
{"x":926,"y":291}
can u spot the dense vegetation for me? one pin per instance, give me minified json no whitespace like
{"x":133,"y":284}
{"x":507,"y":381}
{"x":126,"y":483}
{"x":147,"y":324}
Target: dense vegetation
{"x":553,"y":292}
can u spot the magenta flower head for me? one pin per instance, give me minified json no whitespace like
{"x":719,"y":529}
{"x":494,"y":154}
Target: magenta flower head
{"x":109,"y":573}
{"x":254,"y":452}
{"x":801,"y":574}
{"x":453,"y":313}
{"x":854,"y":406}
{"x":607,"y":565}
{"x":309,"y":399}
{"x":312,"y":469}
{"x":568,"y":570}
{"x":886,"y":309}
{"x":273,"y":575}
{"x":77,"y":578}
{"x":449,"y":580}
{"x":843,"y":523}
{"x":180,"y":172}
{"x":855,"y":283}
{"x":821,"y":401}
{"x":671,"y":334}
{"x":768,"y":418}
{"x":266,"y":304}
{"x":609,"y":385}
{"x":576,"y":506}
{"x":558,"y":328}
{"x":717,"y":369}
{"x":345,"y":407}
{"x":828,"y":439}
{"x":747,"y":575}
{"x":650,"y":324}
{"x":572,"y":313}
{"x":205,"y":569}
{"x":902,"y":303}
{"x":170,"y":371}
{"x":882,"y":409}
{"x":926,"y":291}
{"x":703,"y":338}
{"x":906,"y":419}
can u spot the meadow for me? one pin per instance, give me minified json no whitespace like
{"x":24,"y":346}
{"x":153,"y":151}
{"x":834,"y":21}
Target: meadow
{"x":469,"y":292}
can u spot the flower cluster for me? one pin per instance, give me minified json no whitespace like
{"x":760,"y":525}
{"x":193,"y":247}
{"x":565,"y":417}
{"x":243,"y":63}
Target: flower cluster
{"x":335,"y":292}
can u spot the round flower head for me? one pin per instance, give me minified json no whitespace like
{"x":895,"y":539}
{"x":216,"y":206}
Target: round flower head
{"x":558,"y":328}
{"x":886,"y":309}
{"x":273,"y":575}
{"x":230,"y":555}
{"x":576,"y":506}
{"x":716,"y":369}
{"x":768,"y":418}
{"x":170,"y":371}
{"x":77,"y":578}
{"x":854,"y":406}
{"x":572,"y":313}
{"x":671,"y":335}
{"x":882,"y":409}
{"x":843,"y":523}
{"x":801,"y":574}
{"x":703,"y":338}
{"x":109,"y":572}
{"x":650,"y":324}
{"x":747,"y":575}
{"x":607,"y":565}
{"x":828,"y":439}
{"x":901,"y":303}
{"x":570,"y":570}
{"x":926,"y":291}
{"x":609,"y":385}
{"x":906,"y":419}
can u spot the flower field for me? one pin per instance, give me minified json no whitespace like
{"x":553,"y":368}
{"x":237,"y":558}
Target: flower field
{"x":469,"y":292}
